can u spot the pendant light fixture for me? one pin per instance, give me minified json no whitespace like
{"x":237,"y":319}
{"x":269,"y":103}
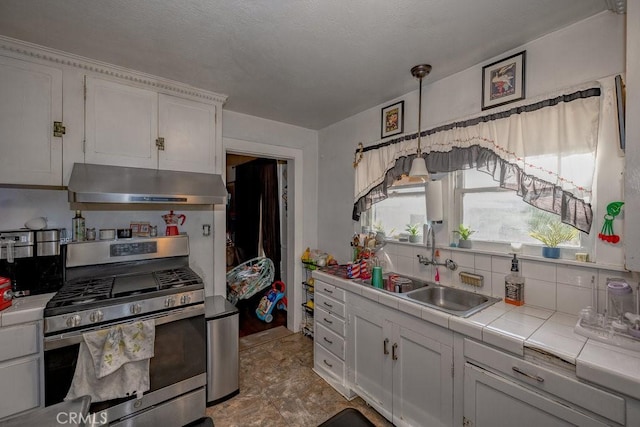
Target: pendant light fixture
{"x":419,"y":166}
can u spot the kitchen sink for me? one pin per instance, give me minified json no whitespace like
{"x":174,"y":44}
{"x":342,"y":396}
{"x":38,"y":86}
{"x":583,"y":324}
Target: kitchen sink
{"x":453,"y":301}
{"x":389,"y":287}
{"x":450,"y":300}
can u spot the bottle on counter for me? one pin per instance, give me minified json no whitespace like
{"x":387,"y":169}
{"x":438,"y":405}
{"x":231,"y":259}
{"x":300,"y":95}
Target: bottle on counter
{"x":79,"y":231}
{"x":514,"y":284}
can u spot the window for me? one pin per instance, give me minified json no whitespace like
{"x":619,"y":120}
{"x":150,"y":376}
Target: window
{"x":404,"y":205}
{"x":496,"y":214}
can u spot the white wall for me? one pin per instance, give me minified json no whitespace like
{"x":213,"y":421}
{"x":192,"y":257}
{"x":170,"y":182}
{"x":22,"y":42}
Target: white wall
{"x":585,"y":51}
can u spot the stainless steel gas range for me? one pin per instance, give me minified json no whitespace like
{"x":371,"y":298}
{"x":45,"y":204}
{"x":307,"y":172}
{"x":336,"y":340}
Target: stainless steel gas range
{"x":112,"y":283}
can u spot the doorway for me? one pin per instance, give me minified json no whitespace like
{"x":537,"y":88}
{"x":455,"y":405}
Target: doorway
{"x":256,"y":227}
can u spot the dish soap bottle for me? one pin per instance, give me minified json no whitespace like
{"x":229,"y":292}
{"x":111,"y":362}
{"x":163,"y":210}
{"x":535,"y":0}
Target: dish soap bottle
{"x":514,"y":284}
{"x":78,"y":228}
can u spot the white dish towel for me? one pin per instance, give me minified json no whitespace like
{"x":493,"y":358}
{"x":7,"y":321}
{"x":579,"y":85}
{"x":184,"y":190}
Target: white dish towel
{"x":114,"y":362}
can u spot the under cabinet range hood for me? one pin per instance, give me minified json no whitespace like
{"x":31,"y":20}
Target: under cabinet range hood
{"x":116,"y":184}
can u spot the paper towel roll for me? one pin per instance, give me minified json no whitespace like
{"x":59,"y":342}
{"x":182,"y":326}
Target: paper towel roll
{"x":434,"y":201}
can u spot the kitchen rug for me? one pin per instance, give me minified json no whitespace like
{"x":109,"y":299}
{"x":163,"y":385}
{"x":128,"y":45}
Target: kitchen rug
{"x":263,"y":337}
{"x":349,"y":417}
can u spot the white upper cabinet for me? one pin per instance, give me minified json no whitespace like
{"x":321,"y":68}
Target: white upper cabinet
{"x":30,"y":101}
{"x":189,"y":133}
{"x":125,"y":118}
{"x":121,"y":124}
{"x":130,"y":126}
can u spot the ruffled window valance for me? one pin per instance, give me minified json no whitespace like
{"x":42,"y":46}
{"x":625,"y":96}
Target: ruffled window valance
{"x":544,"y":150}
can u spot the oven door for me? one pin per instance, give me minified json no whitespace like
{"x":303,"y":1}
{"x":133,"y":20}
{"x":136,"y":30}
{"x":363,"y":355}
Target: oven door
{"x":177,"y":368}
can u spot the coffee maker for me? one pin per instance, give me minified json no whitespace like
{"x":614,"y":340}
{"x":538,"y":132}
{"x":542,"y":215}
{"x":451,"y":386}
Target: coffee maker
{"x":32,"y":260}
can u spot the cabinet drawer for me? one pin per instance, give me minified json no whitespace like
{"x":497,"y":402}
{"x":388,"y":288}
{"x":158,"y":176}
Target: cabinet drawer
{"x":330,"y":290}
{"x":18,"y":341}
{"x":325,"y":361}
{"x":593,"y":399}
{"x":330,"y":340}
{"x":329,"y":304}
{"x":329,"y":320}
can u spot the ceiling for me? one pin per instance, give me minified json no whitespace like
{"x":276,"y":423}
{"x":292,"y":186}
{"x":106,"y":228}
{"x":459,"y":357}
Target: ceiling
{"x":309,"y":63}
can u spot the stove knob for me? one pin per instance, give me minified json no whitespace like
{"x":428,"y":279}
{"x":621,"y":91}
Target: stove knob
{"x":96,"y":316}
{"x":185,"y":299}
{"x":74,"y":321}
{"x":136,"y":308}
{"x":170,"y":302}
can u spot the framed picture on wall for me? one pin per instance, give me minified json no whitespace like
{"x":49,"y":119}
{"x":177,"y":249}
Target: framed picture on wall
{"x":392,"y":120}
{"x":503,"y":81}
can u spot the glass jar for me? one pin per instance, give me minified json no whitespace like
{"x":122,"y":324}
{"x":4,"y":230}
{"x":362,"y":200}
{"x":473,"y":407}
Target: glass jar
{"x":91,"y":234}
{"x":619,"y":298}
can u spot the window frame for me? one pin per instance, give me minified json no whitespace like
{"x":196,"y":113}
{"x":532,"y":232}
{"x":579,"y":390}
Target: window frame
{"x":587,"y":242}
{"x":367,"y":222}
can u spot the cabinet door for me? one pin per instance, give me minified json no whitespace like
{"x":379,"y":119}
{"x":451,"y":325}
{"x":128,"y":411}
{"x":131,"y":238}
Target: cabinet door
{"x":20,"y":386}
{"x":30,"y":101}
{"x":188,"y":129}
{"x":493,"y":401}
{"x":121,"y":125}
{"x":422,"y":380}
{"x":371,"y":359}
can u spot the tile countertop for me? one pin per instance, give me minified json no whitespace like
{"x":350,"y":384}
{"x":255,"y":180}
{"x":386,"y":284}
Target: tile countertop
{"x":521,"y":330}
{"x":25,"y":309}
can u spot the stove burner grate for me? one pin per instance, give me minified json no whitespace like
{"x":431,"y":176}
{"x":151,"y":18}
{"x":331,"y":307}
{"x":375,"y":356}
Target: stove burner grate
{"x":176,"y":278}
{"x":83,"y":291}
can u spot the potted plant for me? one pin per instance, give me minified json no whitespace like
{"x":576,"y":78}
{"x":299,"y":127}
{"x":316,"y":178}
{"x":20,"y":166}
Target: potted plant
{"x":413,"y":230}
{"x":379,"y":232}
{"x":551,"y":232}
{"x":464,"y":233}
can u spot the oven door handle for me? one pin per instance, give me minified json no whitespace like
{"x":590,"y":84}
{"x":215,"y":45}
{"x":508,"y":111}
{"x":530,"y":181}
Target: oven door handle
{"x":67,"y":339}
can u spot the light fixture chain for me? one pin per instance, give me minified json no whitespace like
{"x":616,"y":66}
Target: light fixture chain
{"x":419,"y":116}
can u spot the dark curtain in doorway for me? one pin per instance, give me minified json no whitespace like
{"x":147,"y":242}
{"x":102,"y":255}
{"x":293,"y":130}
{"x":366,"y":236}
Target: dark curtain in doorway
{"x":255,"y":181}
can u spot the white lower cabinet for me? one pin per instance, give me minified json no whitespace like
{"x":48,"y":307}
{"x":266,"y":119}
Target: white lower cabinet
{"x":329,"y":336}
{"x":401,"y":366}
{"x":504,"y":390}
{"x":493,"y":401}
{"x":21,"y":365}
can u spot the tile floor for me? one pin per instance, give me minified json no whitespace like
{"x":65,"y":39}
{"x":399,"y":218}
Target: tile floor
{"x":279,"y":388}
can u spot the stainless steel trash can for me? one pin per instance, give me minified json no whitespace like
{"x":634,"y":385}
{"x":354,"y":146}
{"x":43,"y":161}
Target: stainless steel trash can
{"x":223,"y":361}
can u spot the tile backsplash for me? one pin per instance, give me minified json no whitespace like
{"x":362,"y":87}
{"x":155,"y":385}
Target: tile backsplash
{"x":566,"y":288}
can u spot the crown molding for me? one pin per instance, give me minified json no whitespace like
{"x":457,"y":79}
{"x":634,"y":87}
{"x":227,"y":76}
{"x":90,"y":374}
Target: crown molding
{"x":24,"y":49}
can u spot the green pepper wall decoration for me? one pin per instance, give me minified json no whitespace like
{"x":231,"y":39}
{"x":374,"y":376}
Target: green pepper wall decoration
{"x":607,"y":234}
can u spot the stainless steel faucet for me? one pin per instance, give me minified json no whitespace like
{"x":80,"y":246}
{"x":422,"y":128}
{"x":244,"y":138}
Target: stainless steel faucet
{"x":430,"y":240}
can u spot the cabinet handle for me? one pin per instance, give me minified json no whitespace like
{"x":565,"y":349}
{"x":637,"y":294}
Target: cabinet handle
{"x":327,"y":304}
{"x":327,"y":340}
{"x":328,"y":321}
{"x":327,"y":363}
{"x":533,"y":377}
{"x":384,"y":345}
{"x":329,"y":291}
{"x":394,"y":348}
